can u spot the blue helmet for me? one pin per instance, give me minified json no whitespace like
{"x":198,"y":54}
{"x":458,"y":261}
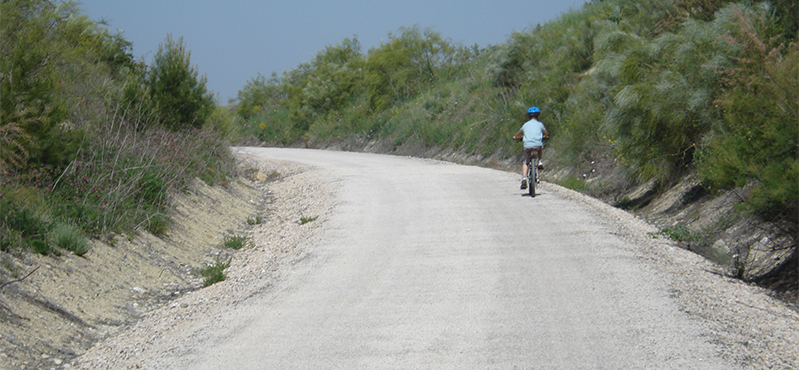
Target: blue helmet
{"x":533,"y":110}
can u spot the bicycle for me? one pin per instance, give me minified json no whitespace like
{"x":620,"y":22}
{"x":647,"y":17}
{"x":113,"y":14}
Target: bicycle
{"x":532,"y":171}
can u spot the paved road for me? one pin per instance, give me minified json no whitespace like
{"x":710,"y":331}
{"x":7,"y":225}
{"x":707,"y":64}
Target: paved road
{"x":428,"y":265}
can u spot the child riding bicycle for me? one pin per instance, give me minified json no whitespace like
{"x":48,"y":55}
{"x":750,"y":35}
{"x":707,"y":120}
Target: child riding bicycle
{"x":532,"y":134}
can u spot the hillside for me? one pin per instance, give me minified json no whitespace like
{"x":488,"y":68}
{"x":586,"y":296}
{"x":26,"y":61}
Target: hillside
{"x":682,"y":111}
{"x":643,"y":100}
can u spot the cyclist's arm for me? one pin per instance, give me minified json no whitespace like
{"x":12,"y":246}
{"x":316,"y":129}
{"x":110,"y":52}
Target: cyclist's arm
{"x":546,"y":134}
{"x":519,"y":135}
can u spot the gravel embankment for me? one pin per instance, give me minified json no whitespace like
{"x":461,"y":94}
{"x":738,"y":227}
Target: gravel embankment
{"x":278,"y":241}
{"x":751,"y":328}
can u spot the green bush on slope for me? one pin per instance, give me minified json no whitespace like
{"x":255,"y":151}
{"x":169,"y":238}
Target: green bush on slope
{"x":97,"y":139}
{"x":652,"y":90}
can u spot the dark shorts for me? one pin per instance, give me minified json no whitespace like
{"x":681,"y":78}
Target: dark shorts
{"x":528,"y":153}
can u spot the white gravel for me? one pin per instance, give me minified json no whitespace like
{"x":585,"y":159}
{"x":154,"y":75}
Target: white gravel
{"x":753,"y":329}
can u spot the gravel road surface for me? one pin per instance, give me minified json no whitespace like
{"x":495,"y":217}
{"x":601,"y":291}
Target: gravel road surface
{"x":413,"y":263}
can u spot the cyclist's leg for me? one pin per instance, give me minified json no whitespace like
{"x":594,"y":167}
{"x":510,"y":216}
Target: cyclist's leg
{"x":526,"y":161}
{"x":538,"y":161}
{"x":525,"y":164}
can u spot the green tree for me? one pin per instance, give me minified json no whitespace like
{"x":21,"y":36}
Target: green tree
{"x":336,"y":78}
{"x":53,"y":63}
{"x":405,"y":65}
{"x":31,"y":51}
{"x":331,"y":79}
{"x":258,"y":94}
{"x":178,"y":96}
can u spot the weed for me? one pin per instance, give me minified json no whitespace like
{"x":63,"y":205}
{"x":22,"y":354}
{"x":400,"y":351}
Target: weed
{"x":304,"y":220}
{"x":22,"y":227}
{"x":8,"y":265}
{"x":255,"y":220}
{"x":273,"y":176}
{"x":574,"y":183}
{"x":24,"y":219}
{"x":158,"y":225}
{"x":682,"y":234}
{"x":40,"y":246}
{"x":9,"y":239}
{"x":236,"y":242}
{"x":214,"y":273}
{"x":70,"y":238}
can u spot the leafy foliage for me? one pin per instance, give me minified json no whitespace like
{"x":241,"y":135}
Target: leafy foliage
{"x":179,"y":97}
{"x":258,"y":95}
{"x":405,"y":65}
{"x":32,"y":52}
{"x":758,"y":140}
{"x":664,"y":91}
{"x":81,"y":148}
{"x":630,"y":90}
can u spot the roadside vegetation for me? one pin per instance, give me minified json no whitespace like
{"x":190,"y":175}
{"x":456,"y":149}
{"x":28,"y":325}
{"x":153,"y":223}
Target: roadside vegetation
{"x":632,"y":92}
{"x":215,"y":272}
{"x":93,"y":141}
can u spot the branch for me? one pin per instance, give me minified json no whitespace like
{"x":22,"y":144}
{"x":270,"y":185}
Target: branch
{"x":18,"y":280}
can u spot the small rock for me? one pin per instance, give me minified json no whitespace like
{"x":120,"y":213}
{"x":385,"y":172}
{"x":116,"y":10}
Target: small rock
{"x":259,"y":176}
{"x":721,"y":247}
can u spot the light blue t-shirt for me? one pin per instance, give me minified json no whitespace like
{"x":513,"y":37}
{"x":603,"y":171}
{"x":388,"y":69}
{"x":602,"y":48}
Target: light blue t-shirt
{"x":533,"y":133}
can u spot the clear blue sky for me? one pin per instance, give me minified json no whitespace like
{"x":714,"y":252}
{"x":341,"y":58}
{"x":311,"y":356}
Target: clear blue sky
{"x":232,"y":41}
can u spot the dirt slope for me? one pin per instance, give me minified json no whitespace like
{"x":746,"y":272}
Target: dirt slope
{"x":68,"y":303}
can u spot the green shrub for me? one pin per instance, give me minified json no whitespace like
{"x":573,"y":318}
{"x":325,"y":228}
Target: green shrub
{"x":23,"y":219}
{"x":572,"y":182}
{"x":39,"y":245}
{"x":304,"y":220}
{"x":681,"y":233}
{"x":255,"y":220}
{"x":663,"y":95}
{"x":757,"y":142}
{"x":236,"y":241}
{"x":23,"y":227}
{"x":224,"y":122}
{"x":258,"y":95}
{"x":70,"y":238}
{"x":158,"y":224}
{"x":215,"y":272}
{"x":33,"y":56}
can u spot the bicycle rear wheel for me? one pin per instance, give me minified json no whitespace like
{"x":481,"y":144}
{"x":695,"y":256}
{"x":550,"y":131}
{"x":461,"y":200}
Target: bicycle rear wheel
{"x":531,"y":177}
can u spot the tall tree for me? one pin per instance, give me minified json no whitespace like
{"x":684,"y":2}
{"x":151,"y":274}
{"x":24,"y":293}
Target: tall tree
{"x":178,"y":95}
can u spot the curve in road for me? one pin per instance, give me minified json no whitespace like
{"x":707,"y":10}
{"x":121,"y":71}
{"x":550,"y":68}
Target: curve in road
{"x":432,"y":265}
